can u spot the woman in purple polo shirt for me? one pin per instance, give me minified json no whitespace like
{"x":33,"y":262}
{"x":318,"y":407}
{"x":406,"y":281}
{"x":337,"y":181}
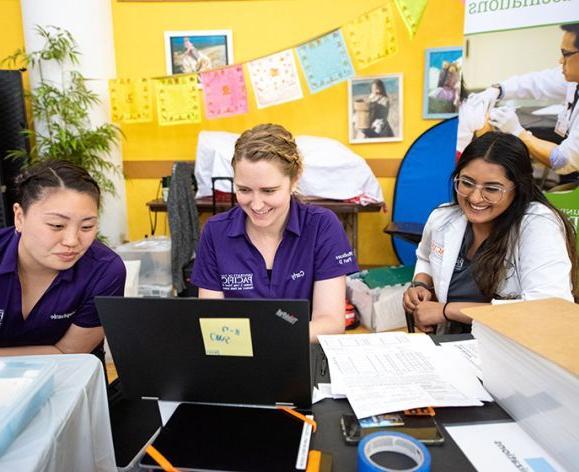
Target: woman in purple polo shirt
{"x":51,"y":266}
{"x":271,"y":245}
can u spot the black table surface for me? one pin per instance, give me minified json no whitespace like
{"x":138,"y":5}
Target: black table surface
{"x":130,"y":424}
{"x":446,"y":457}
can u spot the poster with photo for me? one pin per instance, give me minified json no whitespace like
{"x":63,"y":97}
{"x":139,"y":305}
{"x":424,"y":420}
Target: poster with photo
{"x":375,"y":109}
{"x":188,"y":52}
{"x":442,"y":73}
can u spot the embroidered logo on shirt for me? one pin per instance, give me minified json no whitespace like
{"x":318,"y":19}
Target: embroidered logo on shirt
{"x":237,"y":282}
{"x":437,"y":249}
{"x":298,"y":275}
{"x":64,"y":316}
{"x":345,"y":257}
{"x":286,"y":316}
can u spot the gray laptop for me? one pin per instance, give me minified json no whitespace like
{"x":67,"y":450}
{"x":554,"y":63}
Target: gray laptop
{"x":233,"y":351}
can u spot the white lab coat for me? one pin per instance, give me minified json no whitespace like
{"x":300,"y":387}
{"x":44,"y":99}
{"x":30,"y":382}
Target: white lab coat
{"x":550,"y":84}
{"x":538,"y":266}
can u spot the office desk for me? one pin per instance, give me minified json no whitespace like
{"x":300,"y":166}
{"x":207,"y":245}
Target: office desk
{"x":347,"y":212}
{"x":447,"y":457}
{"x":72,"y":430}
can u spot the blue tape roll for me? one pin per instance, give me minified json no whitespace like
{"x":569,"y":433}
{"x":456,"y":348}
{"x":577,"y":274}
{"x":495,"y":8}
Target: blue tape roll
{"x":392,"y":442}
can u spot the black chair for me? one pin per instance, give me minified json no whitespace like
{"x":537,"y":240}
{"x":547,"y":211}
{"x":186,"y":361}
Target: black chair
{"x":232,"y":201}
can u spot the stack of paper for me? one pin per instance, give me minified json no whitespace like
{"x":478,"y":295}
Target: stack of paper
{"x":385,"y":372}
{"x":530,"y":363}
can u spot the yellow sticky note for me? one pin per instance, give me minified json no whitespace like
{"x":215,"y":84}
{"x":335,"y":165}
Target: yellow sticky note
{"x":226,"y":336}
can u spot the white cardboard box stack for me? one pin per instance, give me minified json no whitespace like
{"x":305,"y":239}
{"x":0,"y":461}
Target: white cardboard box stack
{"x":530,"y":364}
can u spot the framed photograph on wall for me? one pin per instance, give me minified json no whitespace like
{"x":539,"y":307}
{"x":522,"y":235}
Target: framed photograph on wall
{"x":442,"y":72}
{"x":197,"y":51}
{"x":375,"y":109}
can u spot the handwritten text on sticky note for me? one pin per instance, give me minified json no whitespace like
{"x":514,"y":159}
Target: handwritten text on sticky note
{"x":226,"y":336}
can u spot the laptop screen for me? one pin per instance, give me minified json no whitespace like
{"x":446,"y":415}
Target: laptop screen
{"x":234,"y":351}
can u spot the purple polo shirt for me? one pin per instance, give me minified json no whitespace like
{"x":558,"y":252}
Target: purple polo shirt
{"x":68,"y":300}
{"x":314,"y":247}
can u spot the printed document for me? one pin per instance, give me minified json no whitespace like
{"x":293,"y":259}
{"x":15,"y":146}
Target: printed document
{"x":385,"y":372}
{"x":469,"y":350}
{"x":502,"y":446}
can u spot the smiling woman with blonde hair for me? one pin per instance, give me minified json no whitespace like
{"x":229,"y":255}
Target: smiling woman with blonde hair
{"x":52,"y":266}
{"x":271,"y":245}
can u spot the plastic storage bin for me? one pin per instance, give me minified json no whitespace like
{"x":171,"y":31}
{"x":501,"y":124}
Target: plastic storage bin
{"x":25,"y":385}
{"x":377,"y":294}
{"x":155,"y":256}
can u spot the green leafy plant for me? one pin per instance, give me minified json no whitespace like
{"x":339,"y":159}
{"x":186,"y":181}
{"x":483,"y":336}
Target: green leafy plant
{"x":63,"y":108}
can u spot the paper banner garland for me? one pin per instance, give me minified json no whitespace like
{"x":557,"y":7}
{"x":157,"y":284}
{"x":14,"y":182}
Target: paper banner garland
{"x":411,"y":12}
{"x":275,"y":79}
{"x":325,"y":61}
{"x":178,"y":100}
{"x":131,"y":100}
{"x":224,"y":91}
{"x":372,"y":36}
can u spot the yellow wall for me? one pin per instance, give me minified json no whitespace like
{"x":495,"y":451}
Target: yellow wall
{"x":11,"y":34}
{"x":261,"y":28}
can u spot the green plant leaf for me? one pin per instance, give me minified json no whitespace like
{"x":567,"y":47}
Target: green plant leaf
{"x":64,"y":108}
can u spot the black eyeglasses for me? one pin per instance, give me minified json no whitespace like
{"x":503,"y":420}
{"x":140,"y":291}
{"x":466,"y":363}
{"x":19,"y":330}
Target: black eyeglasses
{"x":492,"y":193}
{"x":567,"y":54}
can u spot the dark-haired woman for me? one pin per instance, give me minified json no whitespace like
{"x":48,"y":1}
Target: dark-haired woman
{"x":500,"y":239}
{"x":52,"y":267}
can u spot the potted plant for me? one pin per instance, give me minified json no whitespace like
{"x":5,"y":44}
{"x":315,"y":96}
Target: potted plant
{"x":63,"y":128}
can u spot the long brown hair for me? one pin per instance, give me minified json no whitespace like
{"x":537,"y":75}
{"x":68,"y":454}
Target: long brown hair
{"x":511,"y":154}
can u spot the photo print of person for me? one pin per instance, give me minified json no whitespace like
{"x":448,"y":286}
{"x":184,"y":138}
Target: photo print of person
{"x":375,"y":109}
{"x":442,"y":75}
{"x":187,"y":52}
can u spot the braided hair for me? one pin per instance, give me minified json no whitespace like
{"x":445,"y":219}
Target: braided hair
{"x":273,"y":143}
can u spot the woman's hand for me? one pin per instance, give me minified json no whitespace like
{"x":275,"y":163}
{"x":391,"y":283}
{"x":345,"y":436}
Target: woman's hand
{"x":413,"y":296}
{"x":428,"y":314}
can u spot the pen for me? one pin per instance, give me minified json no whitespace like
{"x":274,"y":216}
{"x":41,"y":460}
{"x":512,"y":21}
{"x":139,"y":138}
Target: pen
{"x":298,"y":415}
{"x":410,"y":322}
{"x":160,"y":459}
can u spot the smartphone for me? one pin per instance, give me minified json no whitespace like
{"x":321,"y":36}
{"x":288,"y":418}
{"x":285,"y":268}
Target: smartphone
{"x":423,"y":428}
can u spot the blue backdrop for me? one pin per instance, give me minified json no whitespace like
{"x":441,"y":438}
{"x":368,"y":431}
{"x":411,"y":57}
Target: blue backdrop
{"x":423,"y":181}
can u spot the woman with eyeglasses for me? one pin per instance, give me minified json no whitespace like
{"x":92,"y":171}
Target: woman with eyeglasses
{"x":560,"y":84}
{"x":499,"y":239}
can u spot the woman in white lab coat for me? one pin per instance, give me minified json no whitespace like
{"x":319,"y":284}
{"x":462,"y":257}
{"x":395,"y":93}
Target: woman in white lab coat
{"x":500,"y":239}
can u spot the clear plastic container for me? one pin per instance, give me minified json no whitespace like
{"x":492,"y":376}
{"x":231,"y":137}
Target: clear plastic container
{"x":25,"y":385}
{"x":155,"y":256}
{"x":162,"y":291}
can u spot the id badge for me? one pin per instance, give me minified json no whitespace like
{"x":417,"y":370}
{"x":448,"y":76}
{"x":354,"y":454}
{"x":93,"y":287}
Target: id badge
{"x":562,"y":125}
